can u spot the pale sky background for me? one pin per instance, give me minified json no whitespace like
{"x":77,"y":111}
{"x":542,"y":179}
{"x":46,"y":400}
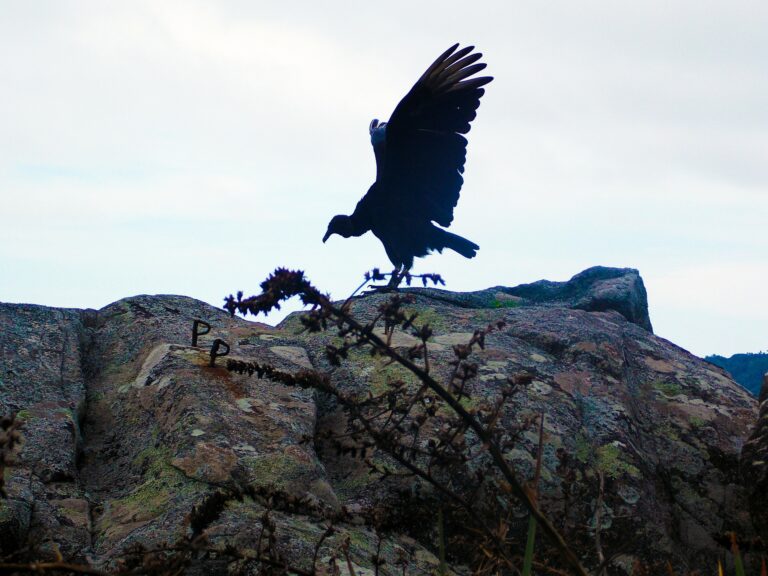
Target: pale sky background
{"x":191,"y":147}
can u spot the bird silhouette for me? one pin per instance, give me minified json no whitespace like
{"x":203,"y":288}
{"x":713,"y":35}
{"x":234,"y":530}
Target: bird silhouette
{"x":420,"y":155}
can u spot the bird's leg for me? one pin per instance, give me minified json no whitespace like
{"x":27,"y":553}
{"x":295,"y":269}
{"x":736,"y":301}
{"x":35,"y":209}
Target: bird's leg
{"x":396,"y":278}
{"x":394,"y":281}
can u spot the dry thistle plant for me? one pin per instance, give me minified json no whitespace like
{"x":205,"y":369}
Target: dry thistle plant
{"x":423,"y":431}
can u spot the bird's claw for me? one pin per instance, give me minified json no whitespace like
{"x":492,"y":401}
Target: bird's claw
{"x":380,"y":289}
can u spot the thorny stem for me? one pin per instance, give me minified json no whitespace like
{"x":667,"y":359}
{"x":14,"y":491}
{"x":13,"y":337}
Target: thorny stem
{"x":416,"y":398}
{"x":529,"y":546}
{"x":377,"y":561}
{"x":519,"y":490}
{"x":345,"y":551}
{"x":363,"y":285}
{"x":498,"y":457}
{"x":382,"y":441}
{"x":328,"y":532}
{"x":599,"y":521}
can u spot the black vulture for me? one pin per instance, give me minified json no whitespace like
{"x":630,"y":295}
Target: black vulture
{"x":420,"y":155}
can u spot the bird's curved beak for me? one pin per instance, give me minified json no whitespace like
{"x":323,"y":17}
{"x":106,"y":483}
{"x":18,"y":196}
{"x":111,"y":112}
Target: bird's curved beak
{"x":327,"y":235}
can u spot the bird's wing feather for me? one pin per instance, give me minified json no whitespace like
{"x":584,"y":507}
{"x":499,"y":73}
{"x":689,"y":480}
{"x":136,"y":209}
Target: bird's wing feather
{"x":425,"y":149}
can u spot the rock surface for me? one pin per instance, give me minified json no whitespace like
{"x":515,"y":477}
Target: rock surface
{"x":754,"y":466}
{"x":127,"y":427}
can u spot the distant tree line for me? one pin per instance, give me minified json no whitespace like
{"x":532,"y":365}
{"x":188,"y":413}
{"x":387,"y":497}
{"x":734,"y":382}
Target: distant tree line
{"x":746,"y":369}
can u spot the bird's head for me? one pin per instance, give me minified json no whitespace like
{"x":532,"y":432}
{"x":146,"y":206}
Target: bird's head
{"x":377,"y":130}
{"x":341,"y":225}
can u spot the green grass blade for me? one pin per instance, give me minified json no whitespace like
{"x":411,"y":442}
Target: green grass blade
{"x":737,"y":562}
{"x":528,"y":559}
{"x":443,"y":569}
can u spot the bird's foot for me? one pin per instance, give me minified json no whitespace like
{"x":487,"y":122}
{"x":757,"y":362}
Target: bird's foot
{"x":395,"y":278}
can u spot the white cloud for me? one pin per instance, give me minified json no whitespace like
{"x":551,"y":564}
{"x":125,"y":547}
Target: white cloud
{"x":728,"y":289}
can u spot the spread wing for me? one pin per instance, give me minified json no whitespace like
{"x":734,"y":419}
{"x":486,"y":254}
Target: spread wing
{"x":425,"y":150}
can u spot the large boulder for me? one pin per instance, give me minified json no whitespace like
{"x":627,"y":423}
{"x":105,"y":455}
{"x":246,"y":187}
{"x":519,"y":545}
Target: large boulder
{"x":42,"y":381}
{"x":596,"y":289}
{"x":754,"y":466}
{"x":128,"y":429}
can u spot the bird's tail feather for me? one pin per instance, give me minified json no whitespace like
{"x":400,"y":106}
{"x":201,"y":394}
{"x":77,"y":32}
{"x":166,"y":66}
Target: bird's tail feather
{"x":458,"y":244}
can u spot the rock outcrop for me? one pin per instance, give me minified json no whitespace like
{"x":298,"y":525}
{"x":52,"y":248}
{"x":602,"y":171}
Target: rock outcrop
{"x":41,"y":378}
{"x":754,"y":465}
{"x":127,"y":428}
{"x":596,"y":289}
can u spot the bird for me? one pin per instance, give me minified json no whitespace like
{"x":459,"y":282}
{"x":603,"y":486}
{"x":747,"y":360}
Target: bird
{"x":420,"y":154}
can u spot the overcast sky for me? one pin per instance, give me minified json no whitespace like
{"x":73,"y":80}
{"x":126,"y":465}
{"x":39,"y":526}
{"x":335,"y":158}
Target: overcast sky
{"x":191,"y":147}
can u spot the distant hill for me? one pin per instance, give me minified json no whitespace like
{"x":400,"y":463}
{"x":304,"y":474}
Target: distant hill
{"x":746,"y":369}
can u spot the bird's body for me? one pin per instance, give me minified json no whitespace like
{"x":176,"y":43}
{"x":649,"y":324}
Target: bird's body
{"x":420,"y":155}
